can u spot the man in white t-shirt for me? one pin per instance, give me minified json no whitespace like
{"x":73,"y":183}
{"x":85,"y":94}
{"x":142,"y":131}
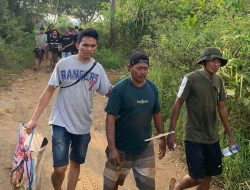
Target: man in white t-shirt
{"x":71,"y":116}
{"x":41,"y":42}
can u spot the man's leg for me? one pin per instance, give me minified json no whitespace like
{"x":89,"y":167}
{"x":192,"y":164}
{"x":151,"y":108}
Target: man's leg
{"x":74,"y":170}
{"x":187,"y":182}
{"x":144,"y":169}
{"x":50,"y":60}
{"x":195,"y":160}
{"x":37,"y":64}
{"x":57,"y":177}
{"x":55,"y":60}
{"x":213,"y":164}
{"x":115,"y":176}
{"x":60,"y":150}
{"x":205,"y":184}
{"x":79,"y":147}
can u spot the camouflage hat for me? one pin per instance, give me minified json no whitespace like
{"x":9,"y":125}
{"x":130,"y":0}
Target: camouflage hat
{"x":210,"y":53}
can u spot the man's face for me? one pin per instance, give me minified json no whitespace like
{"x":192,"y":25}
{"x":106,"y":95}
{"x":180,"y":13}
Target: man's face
{"x":212,"y":66}
{"x":66,"y":31}
{"x":41,"y":31}
{"x":54,"y":33}
{"x":139,"y":71}
{"x":87,"y":47}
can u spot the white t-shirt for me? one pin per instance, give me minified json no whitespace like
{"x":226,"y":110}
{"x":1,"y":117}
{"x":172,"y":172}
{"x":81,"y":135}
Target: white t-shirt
{"x":41,"y":40}
{"x":73,"y":105}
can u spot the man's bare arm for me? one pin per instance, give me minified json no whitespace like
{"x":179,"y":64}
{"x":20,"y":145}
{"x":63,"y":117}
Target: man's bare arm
{"x":42,"y":103}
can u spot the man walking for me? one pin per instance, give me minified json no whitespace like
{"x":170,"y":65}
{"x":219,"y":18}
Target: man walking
{"x":67,"y":42}
{"x":71,"y":117}
{"x":41,"y":43}
{"x":204,"y":95}
{"x":54,"y":45}
{"x":132,"y":104}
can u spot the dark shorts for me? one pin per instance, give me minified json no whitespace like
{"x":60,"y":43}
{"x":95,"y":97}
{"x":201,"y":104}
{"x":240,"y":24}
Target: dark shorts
{"x":66,"y":145}
{"x":39,"y":53}
{"x":203,"y":159}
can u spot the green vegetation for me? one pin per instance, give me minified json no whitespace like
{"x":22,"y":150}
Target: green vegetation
{"x":16,"y":41}
{"x":173,"y":33}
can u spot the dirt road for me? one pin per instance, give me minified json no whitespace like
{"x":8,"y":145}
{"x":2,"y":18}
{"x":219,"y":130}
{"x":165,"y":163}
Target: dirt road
{"x":17,"y":103}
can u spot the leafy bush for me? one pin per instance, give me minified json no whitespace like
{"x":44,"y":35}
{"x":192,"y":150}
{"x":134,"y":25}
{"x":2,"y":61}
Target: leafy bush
{"x":14,"y":58}
{"x":109,"y":59}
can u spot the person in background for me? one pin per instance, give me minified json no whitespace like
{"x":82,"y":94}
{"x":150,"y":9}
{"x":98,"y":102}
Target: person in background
{"x":49,"y":31}
{"x":72,"y":31}
{"x":50,"y":28}
{"x":54,"y":46}
{"x":41,"y":41}
{"x":74,"y":49}
{"x":76,"y":29}
{"x":204,"y":95}
{"x":132,"y":105}
{"x":71,"y":116}
{"x":67,"y":42}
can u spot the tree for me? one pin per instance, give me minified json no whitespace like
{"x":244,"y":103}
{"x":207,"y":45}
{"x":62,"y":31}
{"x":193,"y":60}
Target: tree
{"x":84,"y":10}
{"x":112,"y":25}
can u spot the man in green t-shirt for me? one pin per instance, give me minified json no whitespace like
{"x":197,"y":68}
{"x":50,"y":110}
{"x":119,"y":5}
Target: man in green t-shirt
{"x":203,"y":93}
{"x":132,"y":104}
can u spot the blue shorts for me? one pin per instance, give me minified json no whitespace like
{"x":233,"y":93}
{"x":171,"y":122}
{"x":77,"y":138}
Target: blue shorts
{"x":66,"y":145}
{"x":203,"y":159}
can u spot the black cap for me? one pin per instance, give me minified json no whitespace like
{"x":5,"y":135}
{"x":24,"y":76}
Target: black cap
{"x":139,"y":57}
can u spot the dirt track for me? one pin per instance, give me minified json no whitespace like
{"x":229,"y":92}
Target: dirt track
{"x":17,"y":103}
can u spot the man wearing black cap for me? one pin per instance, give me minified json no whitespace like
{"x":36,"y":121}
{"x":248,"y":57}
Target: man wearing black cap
{"x":132,"y":104}
{"x":204,"y":94}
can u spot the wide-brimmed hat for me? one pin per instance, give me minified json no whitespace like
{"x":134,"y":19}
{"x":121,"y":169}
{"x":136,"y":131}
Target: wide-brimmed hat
{"x":210,"y":53}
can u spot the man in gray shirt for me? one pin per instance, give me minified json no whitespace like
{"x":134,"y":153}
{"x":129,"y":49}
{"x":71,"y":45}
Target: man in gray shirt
{"x":71,"y":116}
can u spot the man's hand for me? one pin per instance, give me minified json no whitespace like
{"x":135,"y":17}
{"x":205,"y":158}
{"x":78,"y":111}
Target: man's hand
{"x":30,"y":125}
{"x":162,"y":148}
{"x":171,"y":141}
{"x":114,"y":156}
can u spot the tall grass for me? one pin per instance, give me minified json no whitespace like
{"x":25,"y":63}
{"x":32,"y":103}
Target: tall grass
{"x":167,"y":80}
{"x":236,"y":168}
{"x":110,"y":59}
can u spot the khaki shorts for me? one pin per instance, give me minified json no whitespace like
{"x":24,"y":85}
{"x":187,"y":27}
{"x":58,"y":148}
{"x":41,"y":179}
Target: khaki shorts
{"x":53,"y":56}
{"x":143,"y":166}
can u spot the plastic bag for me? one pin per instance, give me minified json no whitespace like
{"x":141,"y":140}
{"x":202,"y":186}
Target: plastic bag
{"x":28,"y":160}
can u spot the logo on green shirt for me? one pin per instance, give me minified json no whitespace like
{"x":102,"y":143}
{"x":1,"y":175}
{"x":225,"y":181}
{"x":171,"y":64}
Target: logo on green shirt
{"x":142,"y":101}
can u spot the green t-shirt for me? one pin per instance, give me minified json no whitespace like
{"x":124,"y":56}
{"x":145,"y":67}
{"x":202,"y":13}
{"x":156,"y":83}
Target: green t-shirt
{"x":133,"y":107}
{"x":201,"y":95}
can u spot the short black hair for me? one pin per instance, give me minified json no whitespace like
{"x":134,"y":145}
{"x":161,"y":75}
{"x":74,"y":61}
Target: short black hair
{"x":88,"y":32}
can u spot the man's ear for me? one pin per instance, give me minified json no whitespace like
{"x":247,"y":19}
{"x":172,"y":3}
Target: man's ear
{"x":77,"y":45}
{"x":129,"y":67}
